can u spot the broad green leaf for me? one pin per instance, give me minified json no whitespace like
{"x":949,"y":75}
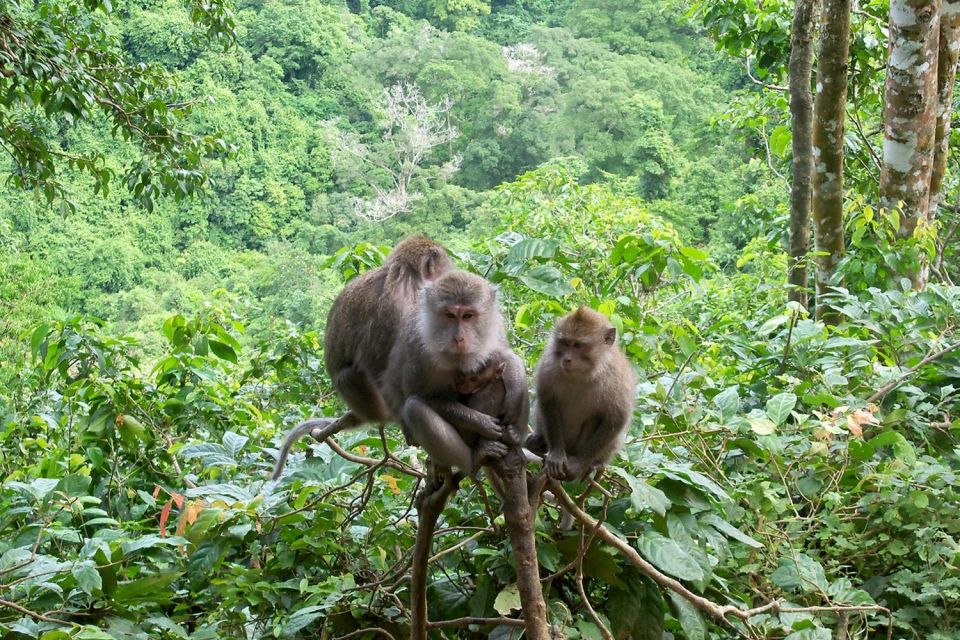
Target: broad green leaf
{"x":507,"y":600}
{"x":547,"y":280}
{"x":530,"y":248}
{"x":692,"y":623}
{"x":780,"y":141}
{"x":669,"y":557}
{"x":234,"y":442}
{"x":813,"y":633}
{"x":211,"y":453}
{"x":728,"y":403}
{"x":729,"y":530}
{"x":762,"y":426}
{"x":902,"y":449}
{"x":150,"y":541}
{"x":800,"y":572}
{"x":39,"y":488}
{"x":223,"y":351}
{"x":642,"y":495}
{"x":301,"y":618}
{"x":780,"y":406}
{"x":88,"y":578}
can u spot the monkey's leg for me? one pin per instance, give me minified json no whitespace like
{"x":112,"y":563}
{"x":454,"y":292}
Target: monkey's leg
{"x":361,"y":394}
{"x":437,"y":437}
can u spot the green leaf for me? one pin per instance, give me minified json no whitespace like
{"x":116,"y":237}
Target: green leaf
{"x":507,"y":600}
{"x":547,"y":280}
{"x":728,"y":403}
{"x":813,"y":633}
{"x":800,"y":572}
{"x":642,"y":495}
{"x":531,"y":248}
{"x":223,"y":351}
{"x":780,"y":141}
{"x":301,"y":618}
{"x":692,"y":623}
{"x":87,"y":576}
{"x":780,"y":406}
{"x":762,"y":426}
{"x":234,"y":442}
{"x":669,"y":557}
{"x":729,"y":530}
{"x":902,"y":449}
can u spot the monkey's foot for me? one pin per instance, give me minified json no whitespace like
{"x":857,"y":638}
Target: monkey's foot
{"x":536,"y":444}
{"x":486,"y":452}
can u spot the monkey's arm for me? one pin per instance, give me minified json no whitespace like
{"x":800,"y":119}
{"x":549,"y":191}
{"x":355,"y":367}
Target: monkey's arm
{"x":554,"y":434}
{"x":463,"y":417}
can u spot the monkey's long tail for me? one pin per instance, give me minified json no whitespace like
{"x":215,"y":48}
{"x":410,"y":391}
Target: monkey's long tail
{"x":325,"y":427}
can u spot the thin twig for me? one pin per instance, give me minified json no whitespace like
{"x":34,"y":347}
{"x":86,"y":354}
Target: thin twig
{"x":360,"y":632}
{"x":463,"y":622}
{"x":896,"y":382}
{"x":32,"y":614}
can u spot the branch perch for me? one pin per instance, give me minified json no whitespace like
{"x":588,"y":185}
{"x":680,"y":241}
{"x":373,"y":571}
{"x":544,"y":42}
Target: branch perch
{"x":714,"y":610}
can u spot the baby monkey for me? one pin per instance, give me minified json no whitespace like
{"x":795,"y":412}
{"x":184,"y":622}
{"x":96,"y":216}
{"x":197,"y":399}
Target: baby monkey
{"x":486,"y":391}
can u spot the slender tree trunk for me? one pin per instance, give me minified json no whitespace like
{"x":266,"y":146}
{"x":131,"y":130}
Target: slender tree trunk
{"x":828,"y":126}
{"x":946,"y":76}
{"x":519,"y":515}
{"x":801,"y":116}
{"x":910,"y":110}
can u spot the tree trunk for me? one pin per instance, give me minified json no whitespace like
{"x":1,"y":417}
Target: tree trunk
{"x":519,"y":515}
{"x":801,"y":116}
{"x":910,"y":110}
{"x":946,"y":75}
{"x":828,"y":126}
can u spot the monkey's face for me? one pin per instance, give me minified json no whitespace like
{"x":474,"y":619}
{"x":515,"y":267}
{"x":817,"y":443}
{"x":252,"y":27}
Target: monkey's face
{"x":579,"y":354}
{"x":459,"y":324}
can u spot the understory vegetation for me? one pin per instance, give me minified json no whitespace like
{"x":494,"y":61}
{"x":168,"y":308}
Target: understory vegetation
{"x":154,"y":350}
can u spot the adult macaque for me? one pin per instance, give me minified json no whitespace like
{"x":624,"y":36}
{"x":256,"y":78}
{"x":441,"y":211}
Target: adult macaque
{"x":585,"y":396}
{"x":455,"y":329}
{"x":361,"y":329}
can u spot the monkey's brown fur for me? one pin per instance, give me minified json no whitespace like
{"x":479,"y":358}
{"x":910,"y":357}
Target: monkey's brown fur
{"x":361,"y":329}
{"x":364,"y":319}
{"x":585,"y":396}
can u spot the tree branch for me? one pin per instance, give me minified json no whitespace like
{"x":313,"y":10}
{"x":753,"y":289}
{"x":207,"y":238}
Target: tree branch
{"x":896,"y":382}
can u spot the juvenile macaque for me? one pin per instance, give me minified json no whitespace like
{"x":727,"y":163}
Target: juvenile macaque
{"x":585,"y":396}
{"x":456,"y":329}
{"x":361,"y":329}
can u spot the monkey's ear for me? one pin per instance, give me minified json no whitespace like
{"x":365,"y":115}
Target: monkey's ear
{"x":428,"y":266}
{"x":610,"y":335}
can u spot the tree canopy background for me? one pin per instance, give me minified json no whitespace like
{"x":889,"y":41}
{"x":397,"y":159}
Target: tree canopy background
{"x":192,"y":183}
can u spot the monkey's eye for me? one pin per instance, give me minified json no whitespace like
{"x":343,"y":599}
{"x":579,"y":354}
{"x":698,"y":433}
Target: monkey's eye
{"x":467,"y":316}
{"x":577,"y":344}
{"x":451,"y":315}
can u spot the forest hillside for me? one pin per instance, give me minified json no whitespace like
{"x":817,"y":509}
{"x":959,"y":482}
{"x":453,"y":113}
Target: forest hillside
{"x":759,"y":197}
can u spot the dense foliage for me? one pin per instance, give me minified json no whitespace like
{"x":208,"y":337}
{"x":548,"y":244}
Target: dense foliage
{"x":151,"y":359}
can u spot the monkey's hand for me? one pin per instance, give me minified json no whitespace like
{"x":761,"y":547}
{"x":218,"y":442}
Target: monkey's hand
{"x":484,"y":426}
{"x":555,"y":462}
